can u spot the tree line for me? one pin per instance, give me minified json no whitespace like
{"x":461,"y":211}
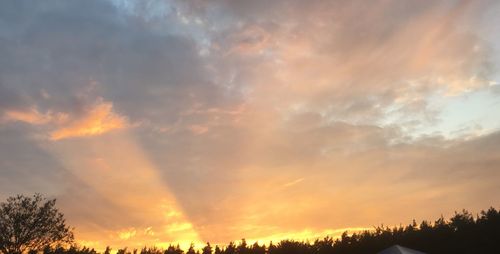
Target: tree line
{"x":33,"y":225}
{"x":462,"y":233}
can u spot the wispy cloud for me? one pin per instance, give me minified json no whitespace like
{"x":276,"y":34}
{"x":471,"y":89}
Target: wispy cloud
{"x":294,"y":182}
{"x":98,"y":120}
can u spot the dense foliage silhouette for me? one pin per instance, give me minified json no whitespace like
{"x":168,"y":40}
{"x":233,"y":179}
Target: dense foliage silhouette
{"x":30,"y":224}
{"x":462,"y":233}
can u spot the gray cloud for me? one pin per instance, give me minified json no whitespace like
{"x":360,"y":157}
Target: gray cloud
{"x":64,"y":48}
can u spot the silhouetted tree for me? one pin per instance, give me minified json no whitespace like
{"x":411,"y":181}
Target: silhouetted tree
{"x":258,"y":249}
{"x":207,"y":249}
{"x":271,"y":249}
{"x":31,"y":224}
{"x":230,"y":249}
{"x":242,"y":247}
{"x":191,"y":250}
{"x":173,"y":250}
{"x":217,"y":250}
{"x":122,"y":251}
{"x":151,"y":250}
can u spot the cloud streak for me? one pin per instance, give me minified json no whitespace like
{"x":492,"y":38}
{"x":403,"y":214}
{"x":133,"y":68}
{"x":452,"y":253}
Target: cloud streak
{"x":99,"y":119}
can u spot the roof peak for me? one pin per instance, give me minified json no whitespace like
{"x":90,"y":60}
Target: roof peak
{"x":398,"y":249}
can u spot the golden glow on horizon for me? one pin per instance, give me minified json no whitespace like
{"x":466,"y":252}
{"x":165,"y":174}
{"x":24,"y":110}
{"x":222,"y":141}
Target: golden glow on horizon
{"x":308,"y":235}
{"x":105,"y":163}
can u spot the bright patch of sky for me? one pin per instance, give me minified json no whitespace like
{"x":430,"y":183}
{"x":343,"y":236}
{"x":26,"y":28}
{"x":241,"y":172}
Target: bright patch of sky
{"x":477,"y":112}
{"x":468,"y":114}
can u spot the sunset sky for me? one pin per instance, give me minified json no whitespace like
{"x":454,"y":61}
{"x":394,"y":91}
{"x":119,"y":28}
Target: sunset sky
{"x":177,"y":121}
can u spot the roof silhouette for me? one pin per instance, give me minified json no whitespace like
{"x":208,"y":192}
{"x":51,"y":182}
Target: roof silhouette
{"x":398,"y":249}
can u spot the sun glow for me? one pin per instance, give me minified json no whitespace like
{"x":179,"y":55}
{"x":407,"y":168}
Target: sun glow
{"x":103,"y":167}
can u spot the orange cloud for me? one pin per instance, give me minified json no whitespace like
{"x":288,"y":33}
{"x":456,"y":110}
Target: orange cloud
{"x":31,"y":116}
{"x":34,"y":116}
{"x":100,"y":119}
{"x":198,"y":129}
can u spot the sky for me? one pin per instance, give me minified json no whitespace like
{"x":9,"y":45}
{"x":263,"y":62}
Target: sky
{"x":177,"y":121}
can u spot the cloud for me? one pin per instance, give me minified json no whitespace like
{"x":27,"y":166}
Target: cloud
{"x":31,"y":116}
{"x":323,"y":56}
{"x":292,"y":183}
{"x":127,"y":234}
{"x":98,"y":120}
{"x":26,"y":167}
